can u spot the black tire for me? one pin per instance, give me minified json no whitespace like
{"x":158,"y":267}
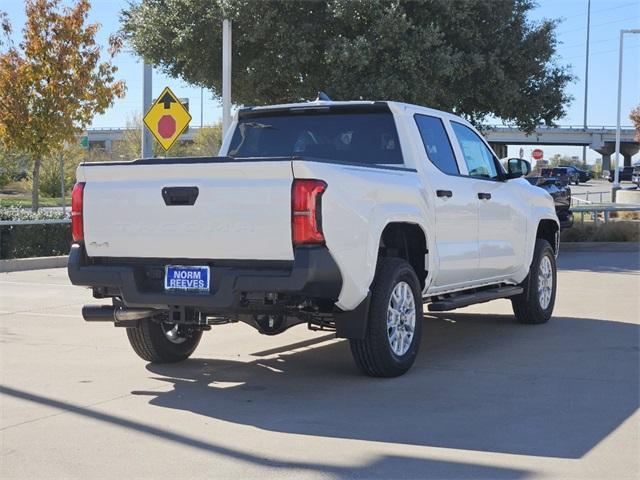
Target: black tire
{"x":151,"y":343}
{"x":374,"y":354}
{"x":527,"y":306}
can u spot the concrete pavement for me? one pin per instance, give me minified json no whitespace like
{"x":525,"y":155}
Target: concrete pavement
{"x":487,"y":398}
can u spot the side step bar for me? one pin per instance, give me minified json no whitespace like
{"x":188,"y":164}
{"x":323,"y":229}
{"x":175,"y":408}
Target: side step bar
{"x":466,"y":299}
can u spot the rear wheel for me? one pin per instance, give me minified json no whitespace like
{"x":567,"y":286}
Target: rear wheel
{"x":162,"y":342}
{"x":394,"y":327}
{"x":535,"y":304}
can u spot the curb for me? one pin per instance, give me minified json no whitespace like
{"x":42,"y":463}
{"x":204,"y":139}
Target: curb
{"x":599,"y":247}
{"x":37,"y":263}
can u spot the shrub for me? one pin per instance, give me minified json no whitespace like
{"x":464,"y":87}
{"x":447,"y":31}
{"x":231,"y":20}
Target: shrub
{"x":23,"y":241}
{"x":619,"y":231}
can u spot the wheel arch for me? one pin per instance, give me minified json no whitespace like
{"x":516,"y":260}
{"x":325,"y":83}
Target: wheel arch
{"x":408,"y":241}
{"x":548,"y":230}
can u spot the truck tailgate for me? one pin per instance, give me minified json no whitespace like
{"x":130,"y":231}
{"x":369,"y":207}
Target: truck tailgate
{"x":242,"y":209}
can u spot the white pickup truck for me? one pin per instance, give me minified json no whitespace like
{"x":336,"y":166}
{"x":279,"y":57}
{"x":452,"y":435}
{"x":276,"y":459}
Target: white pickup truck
{"x":345,"y":216}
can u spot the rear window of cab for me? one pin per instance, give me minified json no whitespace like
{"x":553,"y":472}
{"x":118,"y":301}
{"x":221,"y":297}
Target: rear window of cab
{"x":367,"y":138}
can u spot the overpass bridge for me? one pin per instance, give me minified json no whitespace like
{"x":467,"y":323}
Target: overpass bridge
{"x":601,"y":139}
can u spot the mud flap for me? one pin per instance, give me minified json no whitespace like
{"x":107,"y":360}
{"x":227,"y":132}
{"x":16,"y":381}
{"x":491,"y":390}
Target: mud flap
{"x":353,"y":324}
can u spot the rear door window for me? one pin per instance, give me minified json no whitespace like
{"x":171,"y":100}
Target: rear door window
{"x":366,"y":138}
{"x":436,"y":143}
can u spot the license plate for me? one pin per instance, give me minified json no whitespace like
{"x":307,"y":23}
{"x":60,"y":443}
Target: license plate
{"x":186,"y":278}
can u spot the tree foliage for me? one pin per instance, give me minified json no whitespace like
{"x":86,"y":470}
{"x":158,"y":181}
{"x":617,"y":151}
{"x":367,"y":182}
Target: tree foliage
{"x":51,"y":170}
{"x":206,"y":142}
{"x":635,"y":118}
{"x":473,"y":57}
{"x":54,"y":81}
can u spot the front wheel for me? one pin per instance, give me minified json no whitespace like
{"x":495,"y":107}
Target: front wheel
{"x":162,"y":342}
{"x":535,"y":303}
{"x":394,"y":328}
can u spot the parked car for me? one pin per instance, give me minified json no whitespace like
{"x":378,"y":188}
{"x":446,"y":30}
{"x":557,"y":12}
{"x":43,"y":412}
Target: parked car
{"x":344,"y":216}
{"x":561,"y":194}
{"x":635,"y":176}
{"x":583,"y":175}
{"x":562,"y":174}
{"x":625,"y":174}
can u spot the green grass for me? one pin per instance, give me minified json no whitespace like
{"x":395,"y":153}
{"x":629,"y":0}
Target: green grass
{"x":24,"y":201}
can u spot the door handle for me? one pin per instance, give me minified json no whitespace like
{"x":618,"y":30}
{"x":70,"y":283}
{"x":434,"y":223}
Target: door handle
{"x":484,"y":196}
{"x":180,"y":195}
{"x":444,"y":193}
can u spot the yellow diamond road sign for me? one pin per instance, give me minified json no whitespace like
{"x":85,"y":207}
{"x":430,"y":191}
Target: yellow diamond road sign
{"x":167,"y":118}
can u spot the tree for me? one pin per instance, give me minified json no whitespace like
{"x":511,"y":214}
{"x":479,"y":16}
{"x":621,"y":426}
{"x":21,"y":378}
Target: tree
{"x":473,"y":57}
{"x":50,"y":174}
{"x":635,"y":118}
{"x":206,"y":142}
{"x":54,"y":82}
{"x":12,"y":167}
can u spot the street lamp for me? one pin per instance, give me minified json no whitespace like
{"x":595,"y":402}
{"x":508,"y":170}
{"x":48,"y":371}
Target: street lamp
{"x":586,"y":81}
{"x":616,"y":178}
{"x":226,"y":76}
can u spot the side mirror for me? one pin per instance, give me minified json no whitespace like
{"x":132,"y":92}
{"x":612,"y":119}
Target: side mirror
{"x":517,"y":167}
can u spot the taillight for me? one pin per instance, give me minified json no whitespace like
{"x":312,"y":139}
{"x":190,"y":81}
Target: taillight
{"x":306,"y":213}
{"x":77,"y":227}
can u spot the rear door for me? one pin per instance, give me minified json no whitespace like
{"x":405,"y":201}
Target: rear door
{"x":241,"y":209}
{"x":456,"y":207}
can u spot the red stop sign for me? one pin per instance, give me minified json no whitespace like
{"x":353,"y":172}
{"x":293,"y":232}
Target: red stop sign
{"x":537,"y":154}
{"x":166,"y":126}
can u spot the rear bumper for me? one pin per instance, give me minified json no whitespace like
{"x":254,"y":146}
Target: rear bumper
{"x":139,"y":282}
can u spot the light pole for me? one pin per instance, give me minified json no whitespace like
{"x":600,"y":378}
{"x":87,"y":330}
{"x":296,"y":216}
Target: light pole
{"x":147,"y":74}
{"x":616,"y":177}
{"x":586,"y":81}
{"x":226,"y":75}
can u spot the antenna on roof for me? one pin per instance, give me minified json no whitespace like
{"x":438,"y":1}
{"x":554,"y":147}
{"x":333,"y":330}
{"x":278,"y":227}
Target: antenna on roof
{"x":323,"y":96}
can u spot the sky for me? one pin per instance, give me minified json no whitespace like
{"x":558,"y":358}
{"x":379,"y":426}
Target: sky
{"x":607,"y":18}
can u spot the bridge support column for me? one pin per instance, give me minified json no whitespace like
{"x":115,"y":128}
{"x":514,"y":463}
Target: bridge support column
{"x":499,"y":148}
{"x":605,"y":149}
{"x":628,"y":150}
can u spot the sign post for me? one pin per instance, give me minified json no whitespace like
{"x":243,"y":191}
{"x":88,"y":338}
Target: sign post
{"x":167,"y":119}
{"x":62,"y":192}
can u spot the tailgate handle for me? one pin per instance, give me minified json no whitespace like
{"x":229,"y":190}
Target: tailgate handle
{"x":180,"y":195}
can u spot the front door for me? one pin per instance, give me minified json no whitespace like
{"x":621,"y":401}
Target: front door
{"x":501,"y":211}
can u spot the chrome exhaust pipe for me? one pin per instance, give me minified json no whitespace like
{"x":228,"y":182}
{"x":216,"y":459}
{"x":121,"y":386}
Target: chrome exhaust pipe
{"x":108,"y":313}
